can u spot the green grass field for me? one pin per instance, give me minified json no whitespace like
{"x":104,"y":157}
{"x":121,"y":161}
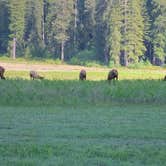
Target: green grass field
{"x":124,"y":74}
{"x":83,"y":136}
{"x":61,"y":121}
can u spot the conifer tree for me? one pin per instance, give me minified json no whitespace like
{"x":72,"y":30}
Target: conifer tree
{"x":136,"y":31}
{"x":101,"y":31}
{"x":61,"y":16}
{"x":33,"y":33}
{"x":4,"y":25}
{"x":159,"y":33}
{"x":114,"y":35}
{"x":17,"y":24}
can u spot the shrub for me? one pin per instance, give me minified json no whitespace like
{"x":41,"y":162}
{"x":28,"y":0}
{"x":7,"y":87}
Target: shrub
{"x":140,"y":64}
{"x":86,"y":58}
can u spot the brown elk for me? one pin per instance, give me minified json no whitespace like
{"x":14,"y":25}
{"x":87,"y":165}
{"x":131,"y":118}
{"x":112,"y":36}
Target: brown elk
{"x":165,"y":78}
{"x":82,"y":75}
{"x":34,"y":75}
{"x":112,"y":75}
{"x":2,"y":70}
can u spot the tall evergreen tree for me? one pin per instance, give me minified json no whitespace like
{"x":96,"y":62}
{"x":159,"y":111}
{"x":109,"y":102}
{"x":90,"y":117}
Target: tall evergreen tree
{"x":125,"y":38}
{"x":17,"y":24}
{"x":101,"y":31}
{"x":60,"y":19}
{"x":34,"y":27}
{"x":136,"y":31}
{"x":159,"y":32}
{"x":85,"y":24}
{"x":4,"y":26}
{"x":113,"y":36}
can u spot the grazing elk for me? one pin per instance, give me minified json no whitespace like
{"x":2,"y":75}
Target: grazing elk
{"x":2,"y":70}
{"x":82,"y":75}
{"x":112,"y":75}
{"x":165,"y":78}
{"x":34,"y":75}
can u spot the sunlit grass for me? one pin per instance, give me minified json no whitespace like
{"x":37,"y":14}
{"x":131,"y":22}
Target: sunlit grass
{"x":124,"y":74}
{"x":30,"y":60}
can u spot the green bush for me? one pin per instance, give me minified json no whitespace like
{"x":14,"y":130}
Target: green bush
{"x":85,"y":58}
{"x":141,"y":64}
{"x":93,"y":64}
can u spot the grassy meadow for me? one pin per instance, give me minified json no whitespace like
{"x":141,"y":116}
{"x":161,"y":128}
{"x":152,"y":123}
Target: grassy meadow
{"x":124,"y":74}
{"x":61,"y":121}
{"x":91,"y":136}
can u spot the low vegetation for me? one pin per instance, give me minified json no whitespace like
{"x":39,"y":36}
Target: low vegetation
{"x":118,"y":135}
{"x":25,"y":92}
{"x":61,"y":121}
{"x":133,"y":86}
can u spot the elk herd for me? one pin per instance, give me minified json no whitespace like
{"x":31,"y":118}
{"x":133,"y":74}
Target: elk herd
{"x":112,"y":74}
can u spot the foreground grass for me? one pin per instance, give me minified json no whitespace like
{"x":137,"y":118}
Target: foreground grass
{"x":73,"y":92}
{"x":119,"y":135}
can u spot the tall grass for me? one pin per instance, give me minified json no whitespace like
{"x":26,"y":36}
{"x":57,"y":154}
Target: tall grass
{"x":74,"y":92}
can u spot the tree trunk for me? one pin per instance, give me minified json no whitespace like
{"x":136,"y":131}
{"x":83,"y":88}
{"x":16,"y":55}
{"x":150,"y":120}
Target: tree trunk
{"x":75,"y":25}
{"x":124,"y":53}
{"x":106,"y":55}
{"x":14,"y":48}
{"x":62,"y":51}
{"x":125,"y":33}
{"x":43,"y":23}
{"x":123,"y":58}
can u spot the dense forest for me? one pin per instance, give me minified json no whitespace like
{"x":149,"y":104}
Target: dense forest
{"x":111,"y":32}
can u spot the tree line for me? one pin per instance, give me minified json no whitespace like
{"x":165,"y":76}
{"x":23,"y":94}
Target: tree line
{"x":112,"y":32}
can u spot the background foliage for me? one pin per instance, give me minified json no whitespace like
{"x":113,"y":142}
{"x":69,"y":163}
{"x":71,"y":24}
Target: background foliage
{"x":120,"y":32}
